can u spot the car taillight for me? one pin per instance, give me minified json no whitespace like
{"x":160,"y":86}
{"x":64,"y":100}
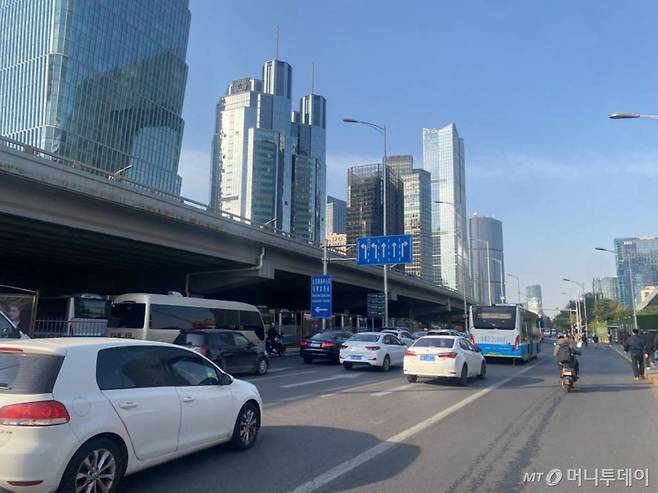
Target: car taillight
{"x":303,"y":343}
{"x":205,"y":350}
{"x":373,"y":348}
{"x":409,"y":353}
{"x":10,"y":350}
{"x":328,"y":345}
{"x":451,"y":354}
{"x":516,"y":343}
{"x":344,"y":346}
{"x":43,"y":413}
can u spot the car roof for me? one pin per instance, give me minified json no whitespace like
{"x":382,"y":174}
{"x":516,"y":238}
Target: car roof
{"x":60,"y":345}
{"x":368,"y":333}
{"x":207,"y":331}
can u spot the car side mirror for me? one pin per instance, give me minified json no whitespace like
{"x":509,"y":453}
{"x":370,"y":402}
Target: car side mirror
{"x":225,"y":379}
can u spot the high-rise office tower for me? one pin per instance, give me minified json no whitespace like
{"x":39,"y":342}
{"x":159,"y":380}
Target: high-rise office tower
{"x":487,"y":268}
{"x":534,"y":299}
{"x":365,"y":202}
{"x":605,"y":288}
{"x":417,"y":212}
{"x":97,"y":82}
{"x":336,"y":216}
{"x":309,"y":169}
{"x":637,"y":267}
{"x":443,"y":157}
{"x":251,"y":174}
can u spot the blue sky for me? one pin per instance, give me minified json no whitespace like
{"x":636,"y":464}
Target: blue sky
{"x":529,"y":85}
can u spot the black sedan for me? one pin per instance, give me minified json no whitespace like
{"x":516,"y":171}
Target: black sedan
{"x":230,"y":350}
{"x":323,"y":345}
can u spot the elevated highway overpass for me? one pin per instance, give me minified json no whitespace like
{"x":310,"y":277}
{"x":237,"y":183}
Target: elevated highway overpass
{"x":66,"y":227}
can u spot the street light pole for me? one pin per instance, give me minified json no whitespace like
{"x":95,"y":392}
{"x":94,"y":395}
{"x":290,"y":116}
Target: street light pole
{"x":518,"y":287}
{"x":581,"y":285}
{"x":502,"y":285}
{"x":630,"y":274}
{"x":382,"y":130}
{"x":627,"y":116}
{"x":486,"y":242}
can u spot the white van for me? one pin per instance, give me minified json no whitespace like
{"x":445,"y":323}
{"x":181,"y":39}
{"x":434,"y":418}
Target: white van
{"x":159,"y":317}
{"x":83,"y":314}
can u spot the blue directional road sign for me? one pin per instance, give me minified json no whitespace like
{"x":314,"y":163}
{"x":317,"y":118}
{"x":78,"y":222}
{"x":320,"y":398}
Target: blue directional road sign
{"x":321,"y":296}
{"x":378,"y":250}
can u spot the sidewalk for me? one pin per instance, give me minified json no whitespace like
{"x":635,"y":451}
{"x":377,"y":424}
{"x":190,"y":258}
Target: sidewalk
{"x":651,"y":374}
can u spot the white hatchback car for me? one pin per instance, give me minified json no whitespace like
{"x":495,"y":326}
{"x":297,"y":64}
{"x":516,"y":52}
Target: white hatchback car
{"x":372,"y":348}
{"x":444,"y":356}
{"x":78,"y":414}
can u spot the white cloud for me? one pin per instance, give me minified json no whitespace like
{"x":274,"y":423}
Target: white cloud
{"x":194,"y":168}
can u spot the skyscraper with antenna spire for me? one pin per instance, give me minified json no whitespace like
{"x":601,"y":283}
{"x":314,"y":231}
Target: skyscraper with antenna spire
{"x":269,"y":162}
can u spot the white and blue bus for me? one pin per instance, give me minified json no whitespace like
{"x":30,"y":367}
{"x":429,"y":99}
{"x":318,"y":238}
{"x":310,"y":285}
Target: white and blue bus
{"x":505,"y":331}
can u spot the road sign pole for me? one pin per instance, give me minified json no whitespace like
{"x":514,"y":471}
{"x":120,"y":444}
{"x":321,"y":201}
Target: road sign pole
{"x":324,"y":272}
{"x":386,"y":296}
{"x":385,"y":175}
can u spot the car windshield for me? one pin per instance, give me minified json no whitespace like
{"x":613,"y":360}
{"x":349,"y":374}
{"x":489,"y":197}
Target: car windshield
{"x":364,"y":338}
{"x":438,"y":342}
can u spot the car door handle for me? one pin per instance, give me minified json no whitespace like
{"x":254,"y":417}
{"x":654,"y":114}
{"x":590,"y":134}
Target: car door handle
{"x":128,"y":404}
{"x":187,"y":398}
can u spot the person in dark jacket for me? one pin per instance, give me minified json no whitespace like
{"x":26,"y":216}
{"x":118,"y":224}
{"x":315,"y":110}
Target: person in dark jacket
{"x":636,"y":347}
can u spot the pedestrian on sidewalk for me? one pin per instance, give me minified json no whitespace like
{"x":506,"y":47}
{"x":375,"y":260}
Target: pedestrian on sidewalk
{"x":595,"y":340}
{"x":636,"y":347}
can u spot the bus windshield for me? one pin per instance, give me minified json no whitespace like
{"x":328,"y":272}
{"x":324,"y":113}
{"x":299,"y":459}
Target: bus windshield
{"x":127,"y":316}
{"x":494,"y":317}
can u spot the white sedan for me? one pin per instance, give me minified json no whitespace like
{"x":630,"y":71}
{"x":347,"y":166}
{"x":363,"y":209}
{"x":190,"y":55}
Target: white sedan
{"x":372,"y":348}
{"x":444,"y":356}
{"x":78,"y":414}
{"x":403,"y":334}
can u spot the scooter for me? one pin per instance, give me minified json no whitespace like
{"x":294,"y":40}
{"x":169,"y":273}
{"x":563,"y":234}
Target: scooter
{"x":275,"y":348}
{"x":567,"y":377}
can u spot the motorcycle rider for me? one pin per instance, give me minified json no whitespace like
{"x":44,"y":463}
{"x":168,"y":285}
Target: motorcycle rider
{"x":274,"y":339}
{"x":565,"y":351}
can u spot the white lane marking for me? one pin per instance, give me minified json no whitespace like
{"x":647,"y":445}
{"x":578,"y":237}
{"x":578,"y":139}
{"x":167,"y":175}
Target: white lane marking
{"x":292,"y":374}
{"x":319,"y":380}
{"x":390,"y":391}
{"x":347,"y":466}
{"x":275,"y":370}
{"x":350,"y":390}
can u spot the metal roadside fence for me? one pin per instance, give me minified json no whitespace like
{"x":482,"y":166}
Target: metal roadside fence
{"x":69,"y":328}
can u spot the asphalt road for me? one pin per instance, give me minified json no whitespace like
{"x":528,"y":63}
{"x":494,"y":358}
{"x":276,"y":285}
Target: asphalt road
{"x":329,"y":430}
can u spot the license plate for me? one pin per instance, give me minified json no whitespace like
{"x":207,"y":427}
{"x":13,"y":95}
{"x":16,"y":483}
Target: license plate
{"x":314,"y":344}
{"x":427,"y":357}
{"x":355,"y":357}
{"x":566,"y":372}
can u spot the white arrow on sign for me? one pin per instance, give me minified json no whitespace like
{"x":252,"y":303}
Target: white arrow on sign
{"x":384,"y":247}
{"x":394,"y":247}
{"x":374,"y":247}
{"x":404,"y":244}
{"x":318,"y":309}
{"x":365,"y":251}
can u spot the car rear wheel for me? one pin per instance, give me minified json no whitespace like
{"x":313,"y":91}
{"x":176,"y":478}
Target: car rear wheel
{"x":308,"y":359}
{"x":463,"y":379}
{"x":246,"y":427}
{"x":412,"y":378}
{"x":262,"y":366}
{"x":386,"y":365}
{"x":483,"y":371}
{"x":347,"y":365}
{"x":97,"y":466}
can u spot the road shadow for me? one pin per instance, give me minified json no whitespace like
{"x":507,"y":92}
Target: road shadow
{"x":630,"y":387}
{"x":283,"y":458}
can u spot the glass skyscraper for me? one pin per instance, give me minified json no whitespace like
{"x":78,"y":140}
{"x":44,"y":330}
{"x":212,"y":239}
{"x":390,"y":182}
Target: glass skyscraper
{"x":637,"y":267}
{"x":417,"y":212}
{"x":336,"y":215}
{"x":269,"y":163}
{"x":443,"y":157}
{"x":487,"y":229}
{"x":605,"y":288}
{"x":534,"y":299}
{"x":309,"y":169}
{"x":96,"y":81}
{"x":365,"y":202}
